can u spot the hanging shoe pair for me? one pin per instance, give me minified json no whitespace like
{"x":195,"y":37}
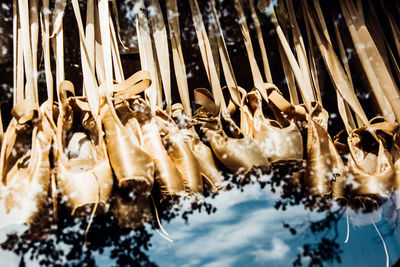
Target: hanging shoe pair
{"x":167,"y":174}
{"x":323,"y":163}
{"x":203,"y":154}
{"x":370,"y":170}
{"x":25,"y":165}
{"x":133,"y":167}
{"x":180,"y":152}
{"x":239,"y":154}
{"x":278,"y":137}
{"x":83,"y":171}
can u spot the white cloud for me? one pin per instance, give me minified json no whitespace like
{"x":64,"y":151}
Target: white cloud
{"x":278,"y":251}
{"x":228,"y":261}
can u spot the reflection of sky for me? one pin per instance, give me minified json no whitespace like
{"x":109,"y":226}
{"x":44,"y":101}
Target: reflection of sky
{"x":247,"y":230}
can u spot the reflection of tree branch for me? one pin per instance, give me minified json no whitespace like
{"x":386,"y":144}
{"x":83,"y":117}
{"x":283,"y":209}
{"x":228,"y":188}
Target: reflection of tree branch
{"x":336,"y":229}
{"x":64,"y":246}
{"x":327,"y":249}
{"x":61,"y":242}
{"x":293,"y":194}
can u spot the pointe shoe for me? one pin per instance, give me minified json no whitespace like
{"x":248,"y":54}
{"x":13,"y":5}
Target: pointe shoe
{"x":237,"y":154}
{"x":324,"y":163}
{"x":25,"y":166}
{"x":371,"y":172}
{"x":278,"y":137}
{"x":84,"y":174}
{"x":132,"y":166}
{"x":177,"y":147}
{"x":203,"y":154}
{"x":370,"y":164}
{"x":167,"y":174}
{"x":208,"y":169}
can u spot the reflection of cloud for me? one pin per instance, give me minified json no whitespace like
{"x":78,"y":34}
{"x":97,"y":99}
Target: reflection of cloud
{"x":277,"y":252}
{"x":245,"y":223}
{"x":360,"y":219}
{"x":228,"y":261}
{"x":224,"y":202}
{"x":223,"y":238}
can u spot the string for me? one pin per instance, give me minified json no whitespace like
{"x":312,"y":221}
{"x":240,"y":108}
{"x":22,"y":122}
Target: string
{"x":164,"y":233}
{"x":347,"y":226}
{"x":383,"y":242}
{"x":94,"y":209}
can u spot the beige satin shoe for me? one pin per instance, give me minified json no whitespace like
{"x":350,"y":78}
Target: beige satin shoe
{"x":237,"y":154}
{"x":203,"y":154}
{"x":324,"y":163}
{"x":370,"y":165}
{"x":167,"y":175}
{"x":177,"y":147}
{"x":84,"y":174}
{"x":371,"y":173}
{"x":25,"y":166}
{"x":132,"y":166}
{"x":278,"y":137}
{"x":212,"y":176}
